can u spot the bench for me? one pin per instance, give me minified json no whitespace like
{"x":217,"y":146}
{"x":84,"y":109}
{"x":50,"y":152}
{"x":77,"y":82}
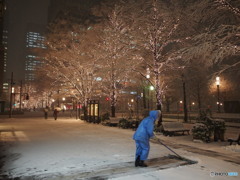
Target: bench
{"x":169,"y":128}
{"x":234,"y":140}
{"x":112,"y":122}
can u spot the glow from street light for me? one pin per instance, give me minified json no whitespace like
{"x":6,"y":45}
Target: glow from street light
{"x":151,"y":88}
{"x":148,"y":73}
{"x":218,"y":80}
{"x":12,"y":89}
{"x":132,"y":100}
{"x":63,"y":99}
{"x":181,"y":102}
{"x":193,"y":103}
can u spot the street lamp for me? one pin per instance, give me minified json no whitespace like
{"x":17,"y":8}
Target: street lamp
{"x":148,"y":73}
{"x":11,"y":93}
{"x":151,"y":88}
{"x":191,"y":105}
{"x":180,"y":106}
{"x":218,"y":92}
{"x":146,"y":103}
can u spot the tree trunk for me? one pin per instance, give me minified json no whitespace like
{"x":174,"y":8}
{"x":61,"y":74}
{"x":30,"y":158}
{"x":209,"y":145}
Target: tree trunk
{"x":113,"y":102}
{"x":158,"y":97}
{"x":159,"y":123}
{"x":144,"y":98}
{"x":199,"y":99}
{"x":168,"y":104}
{"x":113,"y":111}
{"x":84,"y":111}
{"x":185,"y":103}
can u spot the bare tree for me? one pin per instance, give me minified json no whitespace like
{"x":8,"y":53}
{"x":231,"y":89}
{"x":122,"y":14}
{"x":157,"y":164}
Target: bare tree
{"x":155,"y":32}
{"x":114,"y":54}
{"x":217,"y":38}
{"x":68,"y":57}
{"x":227,"y":5}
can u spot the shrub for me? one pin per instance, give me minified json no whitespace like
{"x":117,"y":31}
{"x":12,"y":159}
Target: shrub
{"x":124,"y":123}
{"x":202,"y":132}
{"x":105,"y":116}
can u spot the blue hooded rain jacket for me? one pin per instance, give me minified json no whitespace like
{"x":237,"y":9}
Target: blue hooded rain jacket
{"x":143,"y":133}
{"x":145,"y":129}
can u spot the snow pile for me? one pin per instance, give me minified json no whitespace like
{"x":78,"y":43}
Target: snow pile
{"x":235,"y":148}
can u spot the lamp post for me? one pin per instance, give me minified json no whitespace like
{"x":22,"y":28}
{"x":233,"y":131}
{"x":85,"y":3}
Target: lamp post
{"x":181,"y":106}
{"x":148,"y":91}
{"x":218,"y":92}
{"x":11,"y":94}
{"x":137,"y":101}
{"x":64,"y":107}
{"x":20,"y":96}
{"x":58,"y":102}
{"x":192,"y":105}
{"x":151,"y":88}
{"x":184,"y":99}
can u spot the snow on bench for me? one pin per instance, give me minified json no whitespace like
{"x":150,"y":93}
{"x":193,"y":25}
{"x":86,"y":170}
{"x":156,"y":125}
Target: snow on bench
{"x":170,"y":128}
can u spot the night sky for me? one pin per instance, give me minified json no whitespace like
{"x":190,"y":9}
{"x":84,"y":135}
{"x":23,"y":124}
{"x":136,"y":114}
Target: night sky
{"x":20,"y":14}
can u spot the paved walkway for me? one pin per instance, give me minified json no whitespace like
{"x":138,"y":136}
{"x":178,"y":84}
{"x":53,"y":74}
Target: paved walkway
{"x":72,"y":149}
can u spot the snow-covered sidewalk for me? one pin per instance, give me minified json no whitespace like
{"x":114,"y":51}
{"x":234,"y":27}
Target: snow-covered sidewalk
{"x":63,"y":149}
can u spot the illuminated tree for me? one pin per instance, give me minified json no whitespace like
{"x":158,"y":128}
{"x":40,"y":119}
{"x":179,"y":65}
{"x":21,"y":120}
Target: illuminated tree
{"x":114,"y":54}
{"x":227,"y":5}
{"x":155,"y":30}
{"x":217,"y":39}
{"x":68,"y":58}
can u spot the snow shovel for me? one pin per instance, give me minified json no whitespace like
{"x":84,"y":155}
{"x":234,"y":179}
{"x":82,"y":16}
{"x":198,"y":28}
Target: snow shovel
{"x":180,"y":157}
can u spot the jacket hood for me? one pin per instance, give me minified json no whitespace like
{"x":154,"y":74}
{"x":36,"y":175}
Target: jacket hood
{"x":155,"y":114}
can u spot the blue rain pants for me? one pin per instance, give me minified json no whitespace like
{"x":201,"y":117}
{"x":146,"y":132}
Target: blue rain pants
{"x":142,"y":149}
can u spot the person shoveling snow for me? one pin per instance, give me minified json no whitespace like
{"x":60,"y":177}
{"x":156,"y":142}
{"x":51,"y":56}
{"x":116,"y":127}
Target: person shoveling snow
{"x":142,"y":136}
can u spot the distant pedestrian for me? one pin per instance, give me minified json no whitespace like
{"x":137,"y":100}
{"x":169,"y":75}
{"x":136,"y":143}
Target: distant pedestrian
{"x":55,"y":114}
{"x":142,"y":136}
{"x":46,"y":112}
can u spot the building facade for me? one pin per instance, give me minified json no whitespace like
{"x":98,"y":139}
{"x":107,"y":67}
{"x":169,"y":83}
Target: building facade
{"x":34,"y":39}
{"x":3,"y":45}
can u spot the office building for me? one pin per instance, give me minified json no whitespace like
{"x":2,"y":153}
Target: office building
{"x":3,"y":45}
{"x":34,"y":39}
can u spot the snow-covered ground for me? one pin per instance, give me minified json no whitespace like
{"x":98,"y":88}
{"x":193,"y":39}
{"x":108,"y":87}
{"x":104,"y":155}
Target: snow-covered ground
{"x":48,"y":149}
